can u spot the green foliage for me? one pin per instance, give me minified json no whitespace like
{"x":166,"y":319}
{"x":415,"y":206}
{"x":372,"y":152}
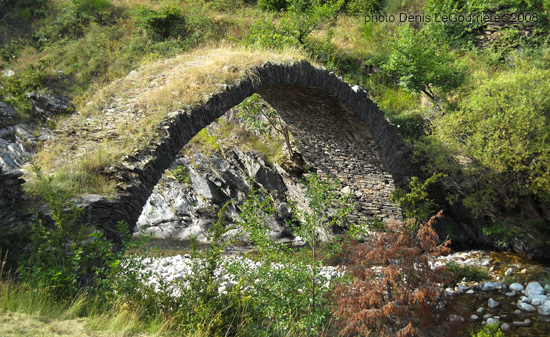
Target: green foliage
{"x":225,"y":6}
{"x":503,"y":127}
{"x":294,"y":26}
{"x":262,"y":119}
{"x":420,"y":65}
{"x":490,"y":330}
{"x":71,"y":258}
{"x":502,"y":233}
{"x":206,"y":142}
{"x":73,"y":18}
{"x":251,"y":111}
{"x":14,"y":89}
{"x":416,"y":204}
{"x":23,"y":8}
{"x":412,"y":126}
{"x":182,"y":174}
{"x":201,"y":306}
{"x":272,"y":5}
{"x":287,"y":288}
{"x":364,"y":7}
{"x":10,"y":51}
{"x":465,"y":272}
{"x":169,"y":23}
{"x":454,"y":33}
{"x":319,"y":217}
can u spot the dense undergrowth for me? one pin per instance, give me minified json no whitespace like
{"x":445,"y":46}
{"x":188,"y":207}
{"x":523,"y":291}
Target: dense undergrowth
{"x":471,"y":98}
{"x":72,"y":275}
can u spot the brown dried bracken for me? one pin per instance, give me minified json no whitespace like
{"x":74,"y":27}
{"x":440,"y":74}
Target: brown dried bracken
{"x":395,"y":291}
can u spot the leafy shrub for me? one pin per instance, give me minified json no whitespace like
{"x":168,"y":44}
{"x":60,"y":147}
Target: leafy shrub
{"x":15,"y":88}
{"x":287,"y":287}
{"x":420,"y":65}
{"x":454,"y":33}
{"x":272,"y":5}
{"x":9,"y":51}
{"x":294,"y":27}
{"x":225,"y":6}
{"x":503,"y":128}
{"x":489,"y":330}
{"x":201,"y":306}
{"x":364,"y":7}
{"x":169,"y":23}
{"x":73,"y":19}
{"x":70,"y":257}
{"x":182,"y":174}
{"x":416,"y":204}
{"x":412,"y":126}
{"x":262,"y":119}
{"x":24,"y":8}
{"x":394,"y":290}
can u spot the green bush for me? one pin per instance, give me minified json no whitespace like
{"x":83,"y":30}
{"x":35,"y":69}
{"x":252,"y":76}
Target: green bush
{"x":364,"y":7}
{"x":14,"y":89}
{"x":201,"y":306}
{"x":294,"y":27}
{"x":503,"y":128}
{"x":169,"y":23}
{"x":273,"y":5}
{"x":416,"y":204}
{"x":23,"y":8}
{"x":73,"y":19}
{"x":490,"y":330}
{"x":421,"y":65}
{"x":71,"y":258}
{"x":182,"y":174}
{"x":466,"y":272}
{"x":287,"y":288}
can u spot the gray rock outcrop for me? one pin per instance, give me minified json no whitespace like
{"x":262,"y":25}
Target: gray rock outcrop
{"x":180,"y":210}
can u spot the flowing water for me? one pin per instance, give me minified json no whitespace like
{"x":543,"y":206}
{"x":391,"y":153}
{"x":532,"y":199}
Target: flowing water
{"x":524,"y":272}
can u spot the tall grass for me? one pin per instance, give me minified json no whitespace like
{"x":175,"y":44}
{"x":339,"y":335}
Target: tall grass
{"x":29,"y":309}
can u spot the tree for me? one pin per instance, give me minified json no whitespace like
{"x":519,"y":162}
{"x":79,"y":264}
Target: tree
{"x":252,"y":107}
{"x":420,"y":65}
{"x":395,"y":290}
{"x":295,"y":25}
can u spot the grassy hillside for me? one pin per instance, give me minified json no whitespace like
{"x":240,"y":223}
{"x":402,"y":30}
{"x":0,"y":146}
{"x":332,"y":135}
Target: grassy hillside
{"x":469,"y":94}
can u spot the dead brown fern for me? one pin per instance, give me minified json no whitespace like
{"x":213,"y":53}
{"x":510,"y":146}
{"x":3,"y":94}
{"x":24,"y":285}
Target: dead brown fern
{"x":395,"y":290}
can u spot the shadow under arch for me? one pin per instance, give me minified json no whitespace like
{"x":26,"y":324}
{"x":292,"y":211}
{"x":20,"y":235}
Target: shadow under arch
{"x":309,"y":99}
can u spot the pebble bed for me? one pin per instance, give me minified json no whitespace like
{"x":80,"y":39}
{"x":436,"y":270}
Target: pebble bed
{"x":517,"y":297}
{"x":180,"y":267}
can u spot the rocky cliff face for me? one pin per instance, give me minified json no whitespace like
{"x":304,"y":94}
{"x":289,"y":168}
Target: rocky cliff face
{"x":185,"y":205}
{"x":18,"y":142}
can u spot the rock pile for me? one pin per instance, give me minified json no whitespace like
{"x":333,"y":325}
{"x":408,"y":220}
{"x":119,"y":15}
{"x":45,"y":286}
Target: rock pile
{"x":180,"y":268}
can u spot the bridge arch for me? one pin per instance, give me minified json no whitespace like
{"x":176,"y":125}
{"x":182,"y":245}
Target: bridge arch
{"x":301,"y":93}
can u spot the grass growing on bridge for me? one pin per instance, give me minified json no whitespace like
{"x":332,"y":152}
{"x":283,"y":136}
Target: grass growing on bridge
{"x":123,"y":117}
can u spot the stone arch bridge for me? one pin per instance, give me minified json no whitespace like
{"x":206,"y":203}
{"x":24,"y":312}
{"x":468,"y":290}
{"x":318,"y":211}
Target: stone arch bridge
{"x":337,"y":126}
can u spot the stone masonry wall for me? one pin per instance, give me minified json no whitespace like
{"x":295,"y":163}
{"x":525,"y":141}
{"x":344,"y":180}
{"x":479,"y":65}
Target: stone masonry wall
{"x":338,"y":143}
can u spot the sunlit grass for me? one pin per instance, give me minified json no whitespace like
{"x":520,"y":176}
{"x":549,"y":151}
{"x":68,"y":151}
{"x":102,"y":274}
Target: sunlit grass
{"x":26,"y":311}
{"x":123,"y":117}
